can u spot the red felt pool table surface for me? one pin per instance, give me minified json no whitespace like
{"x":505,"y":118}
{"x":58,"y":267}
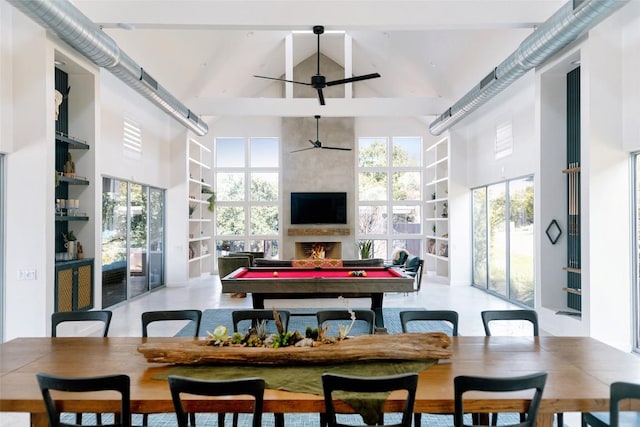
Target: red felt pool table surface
{"x":313,"y":283}
{"x":321,"y":273}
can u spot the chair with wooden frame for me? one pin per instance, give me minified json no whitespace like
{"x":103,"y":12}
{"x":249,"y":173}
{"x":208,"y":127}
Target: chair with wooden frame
{"x":245,"y":386}
{"x":464,"y":383}
{"x":118,"y":383}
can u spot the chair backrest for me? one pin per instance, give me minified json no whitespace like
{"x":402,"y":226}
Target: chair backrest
{"x":528,"y":315}
{"x":257,"y":316}
{"x":245,"y":386}
{"x":362,"y":315}
{"x":449,"y":316}
{"x":228,"y":264}
{"x":103,"y":316}
{"x":119,"y":383}
{"x":413,"y":267}
{"x":621,"y":391}
{"x":171,"y":315}
{"x":334,"y":382}
{"x":534,"y":382}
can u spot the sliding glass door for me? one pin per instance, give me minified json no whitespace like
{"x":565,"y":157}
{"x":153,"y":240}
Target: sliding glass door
{"x":132,"y":240}
{"x":503,"y":241}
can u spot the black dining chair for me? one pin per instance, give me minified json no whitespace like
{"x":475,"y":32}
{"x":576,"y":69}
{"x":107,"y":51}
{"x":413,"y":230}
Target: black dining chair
{"x":256,"y":316}
{"x":429,"y":316}
{"x":530,"y":316}
{"x":101,"y":316}
{"x":245,"y":386}
{"x":119,"y":383}
{"x":619,"y":391}
{"x":346,"y":383}
{"x":191,"y":315}
{"x":149,"y":317}
{"x":343,"y":317}
{"x":464,"y":383}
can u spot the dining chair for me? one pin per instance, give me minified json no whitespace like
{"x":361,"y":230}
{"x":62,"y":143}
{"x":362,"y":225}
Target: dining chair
{"x":353,"y":384}
{"x":149,"y":317}
{"x":534,"y":382}
{"x":489,"y":316}
{"x":237,"y":387}
{"x":344,"y":316}
{"x":428,"y":316}
{"x":192,"y":315}
{"x":618,"y":391}
{"x":119,"y":383}
{"x":59,"y":317}
{"x":258,"y":315}
{"x":449,"y":316}
{"x":103,"y":316}
{"x":529,"y":316}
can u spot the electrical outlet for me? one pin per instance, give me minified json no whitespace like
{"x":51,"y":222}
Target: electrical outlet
{"x":26,"y":274}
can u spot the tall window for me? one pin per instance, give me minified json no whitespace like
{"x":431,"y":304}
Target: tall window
{"x":390,"y":195}
{"x":132,"y":240}
{"x":636,"y":252}
{"x":247,"y":184}
{"x":503,"y":240}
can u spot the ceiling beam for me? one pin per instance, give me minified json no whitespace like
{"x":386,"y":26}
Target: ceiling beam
{"x":380,"y":15}
{"x":335,"y":107}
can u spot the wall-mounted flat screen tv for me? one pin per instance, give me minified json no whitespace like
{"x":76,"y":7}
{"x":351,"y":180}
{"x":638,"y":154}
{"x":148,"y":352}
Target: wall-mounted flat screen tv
{"x":318,"y":208}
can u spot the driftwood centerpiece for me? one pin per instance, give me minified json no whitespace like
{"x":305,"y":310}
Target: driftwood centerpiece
{"x":408,"y":346}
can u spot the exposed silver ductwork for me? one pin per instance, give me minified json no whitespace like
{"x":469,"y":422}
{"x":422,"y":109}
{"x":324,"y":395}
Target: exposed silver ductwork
{"x":67,"y":22}
{"x":566,"y":25}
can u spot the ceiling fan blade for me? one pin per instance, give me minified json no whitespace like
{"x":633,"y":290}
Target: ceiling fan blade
{"x":321,"y":97}
{"x":283,"y":80}
{"x":303,"y":149}
{"x":336,"y":148}
{"x":353,"y":79}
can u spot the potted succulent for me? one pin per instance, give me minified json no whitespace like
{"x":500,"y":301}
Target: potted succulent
{"x":365,"y":247}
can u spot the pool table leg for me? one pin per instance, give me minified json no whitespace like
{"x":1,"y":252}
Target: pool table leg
{"x":376,"y":306}
{"x":257,"y":301}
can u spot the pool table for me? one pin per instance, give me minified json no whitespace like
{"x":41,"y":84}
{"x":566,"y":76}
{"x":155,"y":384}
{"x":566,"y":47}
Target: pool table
{"x":307,"y":283}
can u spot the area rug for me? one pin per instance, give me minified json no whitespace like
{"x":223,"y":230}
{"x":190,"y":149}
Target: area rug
{"x":303,"y":317}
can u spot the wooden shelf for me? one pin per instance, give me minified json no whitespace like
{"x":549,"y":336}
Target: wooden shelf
{"x":318,"y":232}
{"x":572,"y":291}
{"x":572,"y":170}
{"x":572,"y":270}
{"x":72,"y":142}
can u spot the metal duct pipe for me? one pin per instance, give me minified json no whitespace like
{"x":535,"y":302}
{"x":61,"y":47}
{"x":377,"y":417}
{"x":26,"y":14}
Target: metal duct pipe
{"x":566,"y":25}
{"x":67,"y":22}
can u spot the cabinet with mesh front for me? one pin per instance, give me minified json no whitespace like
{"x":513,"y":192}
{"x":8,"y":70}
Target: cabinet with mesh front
{"x":74,"y":285}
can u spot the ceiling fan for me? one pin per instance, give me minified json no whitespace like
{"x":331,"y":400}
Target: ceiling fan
{"x":317,"y":143}
{"x":319,"y":82}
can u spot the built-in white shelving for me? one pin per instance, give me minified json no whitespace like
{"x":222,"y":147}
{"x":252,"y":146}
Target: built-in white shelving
{"x":437,"y":209}
{"x":200,"y":217}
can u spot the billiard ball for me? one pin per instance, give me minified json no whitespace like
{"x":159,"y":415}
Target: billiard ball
{"x":275,"y":274}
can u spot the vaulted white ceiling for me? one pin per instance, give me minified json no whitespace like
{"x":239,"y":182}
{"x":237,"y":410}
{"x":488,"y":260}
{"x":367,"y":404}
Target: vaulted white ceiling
{"x":428,"y":52}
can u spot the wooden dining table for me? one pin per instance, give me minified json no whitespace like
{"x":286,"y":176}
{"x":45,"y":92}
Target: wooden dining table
{"x":580,"y":372}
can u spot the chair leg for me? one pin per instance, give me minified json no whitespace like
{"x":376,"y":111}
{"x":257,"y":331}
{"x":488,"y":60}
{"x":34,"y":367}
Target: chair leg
{"x":560,"y":418}
{"x":417,"y":419}
{"x":145,"y":419}
{"x":192,"y":417}
{"x":221,"y":419}
{"x":278,"y":420}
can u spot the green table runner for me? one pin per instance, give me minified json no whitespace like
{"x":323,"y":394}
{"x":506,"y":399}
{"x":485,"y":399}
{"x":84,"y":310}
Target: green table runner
{"x":308,"y":378}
